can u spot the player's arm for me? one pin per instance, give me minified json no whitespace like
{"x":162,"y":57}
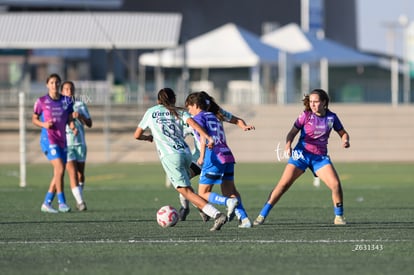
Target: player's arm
{"x":139,"y":135}
{"x":289,"y":139}
{"x":345,"y":138}
{"x":193,"y":124}
{"x":241,"y":123}
{"x":71,"y":124}
{"x":36,"y":121}
{"x":83,"y":119}
{"x":200,"y":160}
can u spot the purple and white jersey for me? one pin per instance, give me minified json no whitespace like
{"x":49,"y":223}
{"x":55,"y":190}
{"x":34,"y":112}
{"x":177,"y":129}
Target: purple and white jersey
{"x":315,"y":131}
{"x":58,"y":112}
{"x":215,"y":129}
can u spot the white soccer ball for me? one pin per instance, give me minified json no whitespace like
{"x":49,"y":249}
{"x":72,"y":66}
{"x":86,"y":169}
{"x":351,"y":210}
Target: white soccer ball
{"x":167,"y":216}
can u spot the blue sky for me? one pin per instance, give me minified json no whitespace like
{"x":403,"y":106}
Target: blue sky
{"x":373,"y":15}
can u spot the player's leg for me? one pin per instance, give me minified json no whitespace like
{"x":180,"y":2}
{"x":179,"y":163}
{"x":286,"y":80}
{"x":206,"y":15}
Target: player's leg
{"x":290,"y":174}
{"x":72,"y":169}
{"x":228,"y":188}
{"x":185,"y":206}
{"x":328,"y":174}
{"x":176,"y":168}
{"x":81,"y":173}
{"x":58,"y":174}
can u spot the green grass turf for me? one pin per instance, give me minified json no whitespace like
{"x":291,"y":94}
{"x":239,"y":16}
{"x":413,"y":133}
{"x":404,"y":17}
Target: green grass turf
{"x":119,"y":235}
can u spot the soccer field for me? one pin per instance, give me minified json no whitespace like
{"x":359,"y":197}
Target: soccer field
{"x":119,"y":234}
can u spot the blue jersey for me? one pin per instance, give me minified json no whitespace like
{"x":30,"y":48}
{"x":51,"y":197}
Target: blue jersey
{"x":215,"y":129}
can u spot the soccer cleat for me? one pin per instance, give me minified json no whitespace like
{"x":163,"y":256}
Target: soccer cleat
{"x":259,"y":220}
{"x":47,"y":208}
{"x":231,"y":204}
{"x":182,"y":213}
{"x":245,"y":223}
{"x":81,"y":206}
{"x":204,"y":216}
{"x":340,"y":220}
{"x":220,"y":220}
{"x":64,"y":208}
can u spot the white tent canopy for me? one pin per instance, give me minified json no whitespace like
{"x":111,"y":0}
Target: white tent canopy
{"x":289,"y":38}
{"x":225,"y":47}
{"x":228,"y":46}
{"x":306,"y":47}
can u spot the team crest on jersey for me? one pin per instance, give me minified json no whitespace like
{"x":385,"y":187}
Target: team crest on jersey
{"x":330,"y":122}
{"x":64,"y":105}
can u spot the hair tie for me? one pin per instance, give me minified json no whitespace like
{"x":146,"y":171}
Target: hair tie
{"x":207,"y":102}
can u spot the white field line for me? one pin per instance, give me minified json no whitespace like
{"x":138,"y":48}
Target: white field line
{"x":166,"y":241}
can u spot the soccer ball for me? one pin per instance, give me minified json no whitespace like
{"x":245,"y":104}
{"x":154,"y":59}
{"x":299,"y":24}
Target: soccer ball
{"x":167,"y":216}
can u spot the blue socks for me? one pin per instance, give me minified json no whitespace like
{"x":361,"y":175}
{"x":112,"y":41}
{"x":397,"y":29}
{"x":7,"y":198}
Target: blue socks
{"x":49,"y":198}
{"x":339,"y":209}
{"x":266,"y":209}
{"x":217,"y":199}
{"x":240,"y":210}
{"x":61,"y":198}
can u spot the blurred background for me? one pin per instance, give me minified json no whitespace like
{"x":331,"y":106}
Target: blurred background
{"x":257,"y":58}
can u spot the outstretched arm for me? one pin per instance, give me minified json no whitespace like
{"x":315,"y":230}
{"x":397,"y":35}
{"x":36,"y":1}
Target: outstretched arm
{"x":241,"y":123}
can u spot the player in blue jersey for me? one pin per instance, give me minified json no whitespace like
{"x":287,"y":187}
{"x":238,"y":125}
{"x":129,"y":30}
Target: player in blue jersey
{"x":315,"y":125}
{"x":166,"y":123}
{"x":227,"y":188}
{"x":218,"y":166}
{"x":51,"y":113}
{"x":76,"y":143}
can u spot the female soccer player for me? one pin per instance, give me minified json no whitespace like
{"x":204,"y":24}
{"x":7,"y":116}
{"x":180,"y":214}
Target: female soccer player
{"x":51,"y":113}
{"x":201,"y":101}
{"x":216,"y":164}
{"x":315,"y":125}
{"x":76,"y":141}
{"x":166,"y":123}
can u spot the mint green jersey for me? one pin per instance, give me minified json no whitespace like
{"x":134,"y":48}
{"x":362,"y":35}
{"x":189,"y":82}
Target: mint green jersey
{"x":167,"y":130}
{"x":79,"y":139}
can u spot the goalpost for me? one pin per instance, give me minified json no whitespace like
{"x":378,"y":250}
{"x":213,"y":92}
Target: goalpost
{"x":22,"y":138}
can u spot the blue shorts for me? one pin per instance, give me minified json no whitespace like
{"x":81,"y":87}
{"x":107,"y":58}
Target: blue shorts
{"x":303,"y":159}
{"x":214,"y":172}
{"x":55,"y":152}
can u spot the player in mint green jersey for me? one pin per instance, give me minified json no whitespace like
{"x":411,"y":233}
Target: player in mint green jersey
{"x":76,"y":143}
{"x":166,"y":123}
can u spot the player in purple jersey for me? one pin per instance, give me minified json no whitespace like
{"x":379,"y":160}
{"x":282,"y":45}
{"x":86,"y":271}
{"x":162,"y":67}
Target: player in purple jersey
{"x":212,"y":121}
{"x":217,"y":164}
{"x":315,"y":125}
{"x":195,"y":169}
{"x":51,"y":113}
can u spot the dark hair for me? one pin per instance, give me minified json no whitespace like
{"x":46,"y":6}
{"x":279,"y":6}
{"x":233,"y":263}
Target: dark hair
{"x":198,"y":99}
{"x":306,"y":102}
{"x":167,"y":98}
{"x":213,"y":106}
{"x":323,"y":96}
{"x":72,"y":85}
{"x":53,"y":76}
